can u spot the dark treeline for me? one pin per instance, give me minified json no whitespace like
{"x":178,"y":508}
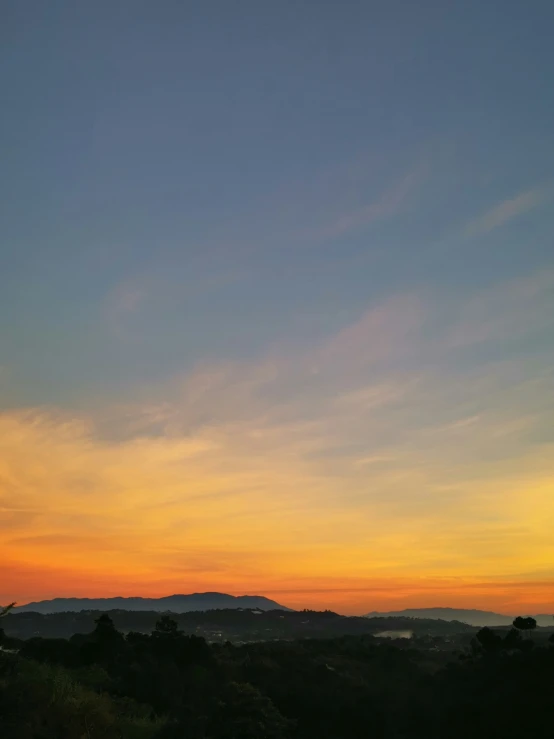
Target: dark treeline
{"x":169,"y":685}
{"x":228,"y":624}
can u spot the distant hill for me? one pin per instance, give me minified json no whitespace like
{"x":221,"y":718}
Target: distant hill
{"x":173,"y":603}
{"x":465,"y":615}
{"x":236,"y":625}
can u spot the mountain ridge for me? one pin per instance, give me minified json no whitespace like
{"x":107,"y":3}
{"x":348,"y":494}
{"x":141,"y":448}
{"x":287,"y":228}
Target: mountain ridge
{"x":177,"y":603}
{"x":472,"y":616}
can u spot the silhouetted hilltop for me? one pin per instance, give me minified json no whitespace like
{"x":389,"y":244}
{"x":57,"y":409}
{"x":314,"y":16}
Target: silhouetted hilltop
{"x":233,"y":624}
{"x":173,"y":603}
{"x":465,"y":615}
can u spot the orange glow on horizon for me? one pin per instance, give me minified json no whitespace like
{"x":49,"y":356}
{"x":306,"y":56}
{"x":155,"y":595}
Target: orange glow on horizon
{"x":84,"y":522}
{"x":380,"y":491}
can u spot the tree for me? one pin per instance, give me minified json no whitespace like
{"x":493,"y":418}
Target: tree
{"x":166,"y":628}
{"x":103,"y":644}
{"x":514,"y":640}
{"x":525,"y":623}
{"x":6,"y":609}
{"x":244,"y":713}
{"x":105,"y":629}
{"x":3,"y":612}
{"x":487,"y":641}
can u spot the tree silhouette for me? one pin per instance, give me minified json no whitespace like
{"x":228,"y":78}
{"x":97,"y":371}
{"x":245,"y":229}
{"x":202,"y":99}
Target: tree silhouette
{"x":6,"y":609}
{"x":105,"y":629}
{"x":104,"y":643}
{"x":525,"y":623}
{"x":487,"y":642}
{"x":513,"y":639}
{"x":166,"y":628}
{"x":3,"y":612}
{"x":244,"y":713}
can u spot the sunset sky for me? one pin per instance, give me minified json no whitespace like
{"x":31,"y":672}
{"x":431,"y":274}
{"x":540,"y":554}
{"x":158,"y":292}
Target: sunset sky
{"x":277,"y":301}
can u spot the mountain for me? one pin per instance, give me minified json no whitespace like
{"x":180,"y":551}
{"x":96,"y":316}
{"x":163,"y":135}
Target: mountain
{"x":173,"y":603}
{"x":465,"y":615}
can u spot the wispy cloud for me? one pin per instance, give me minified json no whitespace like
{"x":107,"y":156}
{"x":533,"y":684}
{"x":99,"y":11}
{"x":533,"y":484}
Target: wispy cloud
{"x":507,"y":311}
{"x":262,"y":474}
{"x":153,"y":292}
{"x":124,"y":302}
{"x":509,"y":209}
{"x":386,"y":205}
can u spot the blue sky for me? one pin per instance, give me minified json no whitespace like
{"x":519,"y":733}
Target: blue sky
{"x":265,"y":193}
{"x":211,"y":151}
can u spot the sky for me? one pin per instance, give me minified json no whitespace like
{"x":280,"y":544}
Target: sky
{"x":277,"y":301}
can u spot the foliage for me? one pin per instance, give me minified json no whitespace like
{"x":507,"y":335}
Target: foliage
{"x":4,"y":610}
{"x":173,"y":685}
{"x":527,"y":623}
